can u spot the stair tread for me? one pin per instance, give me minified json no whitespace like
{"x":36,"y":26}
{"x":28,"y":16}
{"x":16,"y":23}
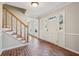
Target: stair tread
{"x":19,"y":38}
{"x":23,"y":41}
{"x":13,"y":33}
{"x":10,"y":32}
{"x":6,"y":29}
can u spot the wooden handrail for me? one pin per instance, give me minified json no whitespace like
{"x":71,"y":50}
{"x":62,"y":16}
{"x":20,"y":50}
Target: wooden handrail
{"x":17,"y":20}
{"x":15,"y":16}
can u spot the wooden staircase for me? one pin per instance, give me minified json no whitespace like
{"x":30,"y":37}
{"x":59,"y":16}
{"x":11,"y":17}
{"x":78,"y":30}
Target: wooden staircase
{"x":14,"y":26}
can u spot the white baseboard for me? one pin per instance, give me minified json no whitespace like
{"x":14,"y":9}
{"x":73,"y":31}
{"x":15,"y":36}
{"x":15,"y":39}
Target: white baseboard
{"x":72,"y":50}
{"x":69,"y":49}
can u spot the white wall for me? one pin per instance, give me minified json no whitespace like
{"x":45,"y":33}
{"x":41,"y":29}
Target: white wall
{"x":69,"y":36}
{"x":0,"y":15}
{"x":72,"y":26}
{"x":0,"y":26}
{"x":0,"y":41}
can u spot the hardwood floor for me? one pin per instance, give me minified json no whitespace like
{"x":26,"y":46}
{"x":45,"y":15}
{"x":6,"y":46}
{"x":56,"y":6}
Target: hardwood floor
{"x":38,"y":48}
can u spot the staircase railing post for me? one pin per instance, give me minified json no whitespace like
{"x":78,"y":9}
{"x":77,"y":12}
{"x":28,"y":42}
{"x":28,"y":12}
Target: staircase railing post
{"x":6,"y":18}
{"x":11,"y":23}
{"x":20,"y":30}
{"x":27,"y":33}
{"x":24,"y":33}
{"x":16,"y":28}
{"x":3,"y":24}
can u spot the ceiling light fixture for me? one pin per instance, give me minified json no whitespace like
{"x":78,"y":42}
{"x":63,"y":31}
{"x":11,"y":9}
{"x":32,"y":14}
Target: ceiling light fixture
{"x":34,"y":4}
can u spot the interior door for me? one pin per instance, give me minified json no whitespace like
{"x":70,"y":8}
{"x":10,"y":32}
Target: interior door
{"x":52,"y":30}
